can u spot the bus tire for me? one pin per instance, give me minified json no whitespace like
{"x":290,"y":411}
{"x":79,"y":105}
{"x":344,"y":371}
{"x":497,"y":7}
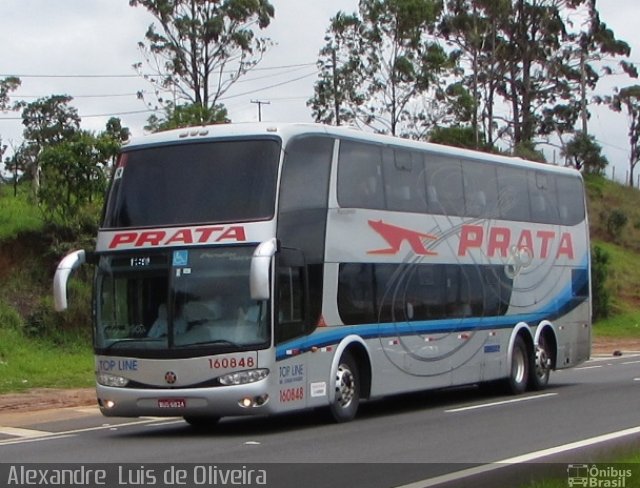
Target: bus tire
{"x":202,"y":422}
{"x":347,"y":389}
{"x":518,"y":378}
{"x":541,"y":365}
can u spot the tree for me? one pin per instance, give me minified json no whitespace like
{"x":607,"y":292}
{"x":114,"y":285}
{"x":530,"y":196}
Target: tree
{"x":75,"y":172}
{"x":593,"y":44}
{"x":629,"y":99}
{"x":200,"y":48}
{"x":585,"y":154}
{"x":538,"y":56}
{"x":47,"y":121}
{"x":70,"y":176}
{"x":188,"y":115}
{"x":472,"y":27}
{"x":7,"y":85}
{"x":109,"y":142}
{"x":455,"y":136}
{"x":336,"y":98}
{"x":600,"y":265}
{"x":19,"y":162}
{"x":387,"y":59}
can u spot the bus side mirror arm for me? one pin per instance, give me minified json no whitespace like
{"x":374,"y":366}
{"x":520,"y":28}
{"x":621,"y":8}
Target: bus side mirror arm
{"x":260,"y":266}
{"x":69,"y":263}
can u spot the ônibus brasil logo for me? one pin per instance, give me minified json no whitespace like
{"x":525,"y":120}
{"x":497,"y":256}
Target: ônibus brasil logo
{"x":592,"y":476}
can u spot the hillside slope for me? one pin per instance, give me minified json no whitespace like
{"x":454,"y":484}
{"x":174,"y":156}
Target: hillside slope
{"x":28,"y":254}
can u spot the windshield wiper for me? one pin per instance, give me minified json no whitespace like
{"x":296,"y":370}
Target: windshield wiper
{"x":121,"y":341}
{"x":217,"y":341}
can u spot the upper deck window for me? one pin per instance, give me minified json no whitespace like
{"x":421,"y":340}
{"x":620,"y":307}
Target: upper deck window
{"x":223,"y":181}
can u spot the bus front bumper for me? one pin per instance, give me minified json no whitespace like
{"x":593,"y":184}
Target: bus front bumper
{"x":250,"y":399}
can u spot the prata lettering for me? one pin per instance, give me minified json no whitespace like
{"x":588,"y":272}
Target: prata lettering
{"x":155,"y":238}
{"x":500,"y":239}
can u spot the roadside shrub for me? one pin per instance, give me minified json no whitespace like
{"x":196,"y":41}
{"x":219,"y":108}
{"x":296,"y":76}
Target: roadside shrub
{"x":9,"y":318}
{"x":600,"y":296}
{"x":616,"y":222}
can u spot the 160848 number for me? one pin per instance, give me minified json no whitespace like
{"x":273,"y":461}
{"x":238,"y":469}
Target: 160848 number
{"x":292,"y":394}
{"x":231,"y":363}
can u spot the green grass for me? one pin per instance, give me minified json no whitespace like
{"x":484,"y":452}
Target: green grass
{"x":17,"y":214}
{"x":624,"y":278}
{"x":36,"y":363}
{"x":625,"y":326}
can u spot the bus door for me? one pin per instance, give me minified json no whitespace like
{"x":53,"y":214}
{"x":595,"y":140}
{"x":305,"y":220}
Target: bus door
{"x":291,"y":327}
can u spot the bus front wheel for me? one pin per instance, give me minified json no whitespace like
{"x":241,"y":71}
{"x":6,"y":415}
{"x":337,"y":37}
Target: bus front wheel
{"x":347,"y":390}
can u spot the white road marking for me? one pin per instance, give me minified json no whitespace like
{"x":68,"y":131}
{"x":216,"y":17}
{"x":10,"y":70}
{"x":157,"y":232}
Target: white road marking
{"x":503,"y":402}
{"x":23,"y":440}
{"x":609,"y":357}
{"x":168,"y":422}
{"x":588,"y":367}
{"x":532,"y":456}
{"x":58,"y":435}
{"x":631,"y":362}
{"x":18,"y":432}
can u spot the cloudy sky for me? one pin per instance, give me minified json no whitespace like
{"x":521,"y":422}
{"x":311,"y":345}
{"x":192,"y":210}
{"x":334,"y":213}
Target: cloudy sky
{"x":86,"y":48}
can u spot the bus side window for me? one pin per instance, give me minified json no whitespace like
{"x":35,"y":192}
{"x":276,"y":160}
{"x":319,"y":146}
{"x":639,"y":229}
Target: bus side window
{"x":290,"y":304}
{"x":444,"y":185}
{"x":513,"y":200}
{"x":544,"y":201}
{"x":360,"y":176}
{"x":403,"y":173}
{"x":480,"y":190}
{"x":356,"y":296}
{"x":570,"y":200}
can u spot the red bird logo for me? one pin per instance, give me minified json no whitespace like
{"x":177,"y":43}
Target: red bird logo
{"x":395,"y":236}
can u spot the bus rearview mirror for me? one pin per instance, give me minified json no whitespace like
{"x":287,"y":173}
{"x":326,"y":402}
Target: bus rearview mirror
{"x":260,"y":267}
{"x":68,"y":264}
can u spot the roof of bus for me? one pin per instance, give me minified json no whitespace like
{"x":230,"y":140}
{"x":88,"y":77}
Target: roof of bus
{"x":285,"y":131}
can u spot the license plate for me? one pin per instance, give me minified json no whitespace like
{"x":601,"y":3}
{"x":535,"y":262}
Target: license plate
{"x":172,"y":403}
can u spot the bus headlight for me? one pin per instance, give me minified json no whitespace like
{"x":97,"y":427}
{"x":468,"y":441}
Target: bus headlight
{"x":111,"y":380}
{"x":243,"y":377}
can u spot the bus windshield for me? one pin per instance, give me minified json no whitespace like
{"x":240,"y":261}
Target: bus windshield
{"x":181,"y":184}
{"x":178,"y":300}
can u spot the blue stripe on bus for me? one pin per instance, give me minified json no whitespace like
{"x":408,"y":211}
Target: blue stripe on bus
{"x":561,"y":305}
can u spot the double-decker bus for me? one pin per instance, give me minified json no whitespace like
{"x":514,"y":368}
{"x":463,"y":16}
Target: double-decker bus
{"x":262,"y":268}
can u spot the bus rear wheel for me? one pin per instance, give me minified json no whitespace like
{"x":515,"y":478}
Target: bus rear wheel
{"x":542,"y":365}
{"x":347,"y":390}
{"x":517,"y":381}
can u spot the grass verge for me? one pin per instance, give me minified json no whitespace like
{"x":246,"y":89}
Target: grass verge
{"x":38,"y":363}
{"x":18,"y":214}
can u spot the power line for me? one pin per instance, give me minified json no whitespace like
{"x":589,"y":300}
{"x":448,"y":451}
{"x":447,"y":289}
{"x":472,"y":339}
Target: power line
{"x":222,"y":99}
{"x":138,"y":75}
{"x":113,"y":95}
{"x":88,"y":116}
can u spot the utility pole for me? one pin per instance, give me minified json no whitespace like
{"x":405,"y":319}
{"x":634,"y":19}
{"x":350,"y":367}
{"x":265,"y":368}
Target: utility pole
{"x":260,"y":104}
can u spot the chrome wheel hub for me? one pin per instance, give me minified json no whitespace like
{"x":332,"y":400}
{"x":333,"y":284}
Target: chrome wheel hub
{"x":345,"y":386}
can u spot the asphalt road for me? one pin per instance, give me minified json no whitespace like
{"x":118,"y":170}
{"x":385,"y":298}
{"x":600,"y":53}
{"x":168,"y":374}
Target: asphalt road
{"x":402,"y":440}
